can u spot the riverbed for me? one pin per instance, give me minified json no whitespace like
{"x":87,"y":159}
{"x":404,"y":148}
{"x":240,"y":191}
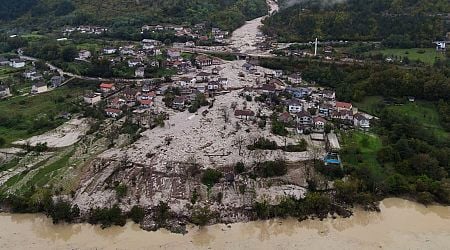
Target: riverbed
{"x":401,"y":224}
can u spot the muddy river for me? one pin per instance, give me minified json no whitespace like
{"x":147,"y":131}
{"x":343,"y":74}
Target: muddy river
{"x":400,"y":225}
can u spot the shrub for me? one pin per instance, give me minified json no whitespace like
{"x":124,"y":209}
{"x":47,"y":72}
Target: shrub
{"x":239,"y":168}
{"x":271,"y":168}
{"x":137,"y":214}
{"x":263,"y":143}
{"x":121,"y":190}
{"x":211,"y":177}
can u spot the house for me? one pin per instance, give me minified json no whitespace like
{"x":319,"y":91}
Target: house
{"x":107,"y":87}
{"x":173,"y":54}
{"x":214,"y":86}
{"x":244,"y":114}
{"x":361,"y":121}
{"x":109,"y":51}
{"x":201,"y":89}
{"x":145,"y":103}
{"x":56,"y":81}
{"x":139,"y":72}
{"x":39,"y":87}
{"x":4,"y":91}
{"x":4,"y":61}
{"x":319,"y":122}
{"x":92,"y":98}
{"x":223,"y":81}
{"x":116,"y":102}
{"x":295,"y":78}
{"x":298,"y":92}
{"x":285,"y":117}
{"x":112,"y":112}
{"x":127,"y":50}
{"x":189,"y":44}
{"x":325,"y":110}
{"x":268,"y":88}
{"x":202,"y":77}
{"x":202,"y":60}
{"x":329,"y":95}
{"x":304,"y":118}
{"x":17,"y":63}
{"x":441,"y":45}
{"x":32,"y":74}
{"x":343,"y":115}
{"x":249,"y":67}
{"x":278,"y":73}
{"x":150,"y":44}
{"x":84,"y":54}
{"x":130,"y":96}
{"x":343,"y":106}
{"x":294,"y":106}
{"x":134,"y":63}
{"x":179,"y":102}
{"x":186,"y":81}
{"x":145,"y":88}
{"x":216,"y":70}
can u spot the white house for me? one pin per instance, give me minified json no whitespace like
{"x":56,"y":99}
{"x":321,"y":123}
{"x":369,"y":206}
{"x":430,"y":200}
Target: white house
{"x":186,"y":81}
{"x":109,"y":51}
{"x":92,"y":99}
{"x":4,"y":91}
{"x":39,"y":87}
{"x":294,"y":106}
{"x":319,"y":122}
{"x":112,"y":112}
{"x":17,"y":63}
{"x":84,"y":54}
{"x":223,"y":81}
{"x":361,"y":121}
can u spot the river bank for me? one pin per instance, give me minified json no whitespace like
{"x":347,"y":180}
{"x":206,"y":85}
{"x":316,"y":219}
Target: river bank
{"x":401,"y":224}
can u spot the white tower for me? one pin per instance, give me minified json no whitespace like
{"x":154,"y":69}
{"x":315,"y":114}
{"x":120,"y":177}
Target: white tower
{"x":315,"y":48}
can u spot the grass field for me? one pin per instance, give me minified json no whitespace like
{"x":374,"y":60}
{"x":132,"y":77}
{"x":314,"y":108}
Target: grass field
{"x":19,"y":116}
{"x":426,"y":55}
{"x":425,"y":114}
{"x":360,"y":149}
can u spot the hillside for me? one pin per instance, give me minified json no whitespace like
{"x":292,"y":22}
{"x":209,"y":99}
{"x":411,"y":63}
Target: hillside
{"x":399,"y":23}
{"x":48,"y":14}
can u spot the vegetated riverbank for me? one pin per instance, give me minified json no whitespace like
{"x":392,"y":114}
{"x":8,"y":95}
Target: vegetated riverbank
{"x":395,"y":227}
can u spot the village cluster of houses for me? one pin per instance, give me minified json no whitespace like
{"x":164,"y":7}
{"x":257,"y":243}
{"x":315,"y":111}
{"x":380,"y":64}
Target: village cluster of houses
{"x":84,"y":29}
{"x":196,"y":32}
{"x":41,"y":81}
{"x":311,"y":109}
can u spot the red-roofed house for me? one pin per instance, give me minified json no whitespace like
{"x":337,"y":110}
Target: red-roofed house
{"x":146,"y":103}
{"x":107,"y":87}
{"x":343,"y":106}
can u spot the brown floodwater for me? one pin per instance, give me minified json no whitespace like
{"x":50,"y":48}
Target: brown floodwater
{"x":401,"y":224}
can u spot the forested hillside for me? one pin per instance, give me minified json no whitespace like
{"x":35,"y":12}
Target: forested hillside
{"x":403,"y":23}
{"x":48,"y":14}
